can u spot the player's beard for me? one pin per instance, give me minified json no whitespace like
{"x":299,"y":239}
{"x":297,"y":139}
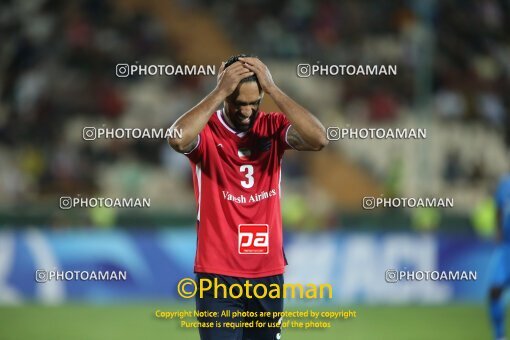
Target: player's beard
{"x":238,"y":121}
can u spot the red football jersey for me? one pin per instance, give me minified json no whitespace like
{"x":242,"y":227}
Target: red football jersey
{"x":236,"y":177}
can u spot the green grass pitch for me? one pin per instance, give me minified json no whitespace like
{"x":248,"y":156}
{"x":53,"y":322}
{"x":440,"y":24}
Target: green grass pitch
{"x":137,"y":321}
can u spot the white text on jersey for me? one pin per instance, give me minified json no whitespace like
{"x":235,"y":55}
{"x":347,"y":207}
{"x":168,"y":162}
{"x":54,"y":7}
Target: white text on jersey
{"x":251,"y":198}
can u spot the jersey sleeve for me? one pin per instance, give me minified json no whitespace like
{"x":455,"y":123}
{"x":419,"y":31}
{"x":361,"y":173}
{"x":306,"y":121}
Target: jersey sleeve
{"x":282,"y":128}
{"x":198,"y":151}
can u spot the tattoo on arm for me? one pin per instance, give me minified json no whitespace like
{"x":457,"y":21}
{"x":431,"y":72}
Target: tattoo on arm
{"x":296,"y":141}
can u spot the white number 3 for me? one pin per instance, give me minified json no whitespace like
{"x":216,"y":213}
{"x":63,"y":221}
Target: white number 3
{"x":249,"y":175}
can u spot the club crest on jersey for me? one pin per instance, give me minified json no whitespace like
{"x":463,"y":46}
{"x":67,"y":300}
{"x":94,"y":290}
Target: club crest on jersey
{"x":253,"y":239}
{"x":244,"y":153}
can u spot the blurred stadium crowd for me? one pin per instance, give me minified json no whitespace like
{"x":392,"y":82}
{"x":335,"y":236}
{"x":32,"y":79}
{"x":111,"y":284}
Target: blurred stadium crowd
{"x":471,"y":53}
{"x":57,"y":66}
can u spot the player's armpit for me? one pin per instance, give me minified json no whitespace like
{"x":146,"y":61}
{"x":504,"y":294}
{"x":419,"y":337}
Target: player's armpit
{"x":297,"y":142}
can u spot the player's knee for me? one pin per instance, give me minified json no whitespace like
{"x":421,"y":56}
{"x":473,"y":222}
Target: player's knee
{"x":495,"y":293}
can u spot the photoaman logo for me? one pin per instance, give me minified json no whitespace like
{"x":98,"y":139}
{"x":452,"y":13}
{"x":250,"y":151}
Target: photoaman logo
{"x":188,"y":288}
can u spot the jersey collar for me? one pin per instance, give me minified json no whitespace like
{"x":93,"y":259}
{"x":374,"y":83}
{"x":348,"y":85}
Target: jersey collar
{"x":220,"y":114}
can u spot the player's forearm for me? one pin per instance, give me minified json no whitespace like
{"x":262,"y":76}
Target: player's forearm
{"x":193,"y":121}
{"x":306,"y":124}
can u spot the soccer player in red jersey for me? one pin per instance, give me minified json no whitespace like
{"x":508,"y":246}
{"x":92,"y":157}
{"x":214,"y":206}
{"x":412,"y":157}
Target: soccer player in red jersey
{"x":236,"y":155}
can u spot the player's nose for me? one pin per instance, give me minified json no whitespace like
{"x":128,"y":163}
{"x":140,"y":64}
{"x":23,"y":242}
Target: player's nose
{"x":246,"y":112}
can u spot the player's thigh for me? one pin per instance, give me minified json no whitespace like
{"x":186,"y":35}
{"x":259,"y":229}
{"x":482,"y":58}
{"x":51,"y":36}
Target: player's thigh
{"x":267,"y":327}
{"x":209,"y":303}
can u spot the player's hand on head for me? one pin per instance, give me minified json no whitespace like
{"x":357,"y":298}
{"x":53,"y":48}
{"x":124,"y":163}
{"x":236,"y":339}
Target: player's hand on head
{"x":229,"y":78}
{"x":262,"y":71}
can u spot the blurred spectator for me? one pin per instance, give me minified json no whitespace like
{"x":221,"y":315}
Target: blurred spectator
{"x":484,"y":218}
{"x":450,"y":104}
{"x":425,"y":219}
{"x":452,"y":171}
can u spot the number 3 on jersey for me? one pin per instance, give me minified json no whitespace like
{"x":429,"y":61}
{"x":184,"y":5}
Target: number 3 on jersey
{"x":248,"y":170}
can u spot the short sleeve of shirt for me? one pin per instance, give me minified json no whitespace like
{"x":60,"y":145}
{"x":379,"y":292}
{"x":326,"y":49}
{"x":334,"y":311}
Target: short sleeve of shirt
{"x":197,"y":153}
{"x":282,"y":125}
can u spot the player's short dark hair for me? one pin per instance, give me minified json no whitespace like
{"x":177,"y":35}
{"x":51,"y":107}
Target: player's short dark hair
{"x":235,"y":58}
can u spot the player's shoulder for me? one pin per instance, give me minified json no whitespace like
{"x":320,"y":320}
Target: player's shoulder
{"x":215,"y":117}
{"x":273,"y":118}
{"x":270,"y":122}
{"x":271,"y":115}
{"x":215,"y":121}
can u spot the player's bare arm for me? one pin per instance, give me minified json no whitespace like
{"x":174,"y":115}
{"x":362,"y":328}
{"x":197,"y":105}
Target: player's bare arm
{"x":306,"y":133}
{"x":193,"y":121}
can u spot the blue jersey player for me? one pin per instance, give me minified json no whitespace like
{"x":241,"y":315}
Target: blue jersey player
{"x":499,"y":269}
